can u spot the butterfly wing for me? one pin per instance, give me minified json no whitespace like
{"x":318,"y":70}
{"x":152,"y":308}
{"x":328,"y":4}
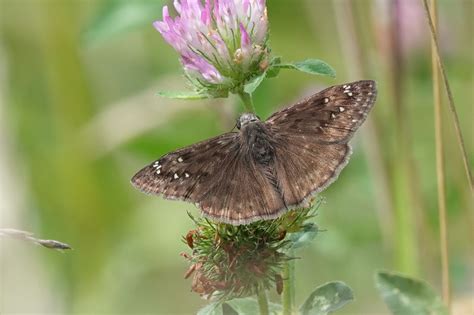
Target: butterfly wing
{"x":217,"y":175}
{"x":241,"y":194}
{"x":312,"y":136}
{"x":330,"y":116}
{"x":176,"y":174}
{"x":305,"y":169}
{"x":222,"y":178}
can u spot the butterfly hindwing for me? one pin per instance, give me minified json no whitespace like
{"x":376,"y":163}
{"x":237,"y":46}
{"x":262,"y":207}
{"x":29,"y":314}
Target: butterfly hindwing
{"x":332,"y":115}
{"x":306,"y":168}
{"x":241,"y":194}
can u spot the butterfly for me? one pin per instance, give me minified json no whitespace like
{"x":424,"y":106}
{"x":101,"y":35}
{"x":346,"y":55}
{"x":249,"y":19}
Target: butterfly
{"x":266,"y":167}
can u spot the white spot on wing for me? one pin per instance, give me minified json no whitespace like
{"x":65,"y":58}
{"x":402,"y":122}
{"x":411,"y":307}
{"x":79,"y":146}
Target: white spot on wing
{"x":180,"y":159}
{"x":186,"y":175}
{"x":326,"y":100}
{"x":175,"y":176}
{"x":341,"y":109}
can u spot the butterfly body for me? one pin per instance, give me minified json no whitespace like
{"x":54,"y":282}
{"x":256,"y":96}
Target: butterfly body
{"x":267,"y":167}
{"x":258,"y":141}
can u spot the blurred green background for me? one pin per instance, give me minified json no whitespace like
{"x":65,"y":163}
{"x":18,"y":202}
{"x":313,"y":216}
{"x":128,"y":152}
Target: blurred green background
{"x":79,"y":116}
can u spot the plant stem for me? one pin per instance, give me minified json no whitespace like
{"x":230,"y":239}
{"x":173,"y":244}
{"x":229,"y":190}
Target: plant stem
{"x":356,"y":66}
{"x":406,"y":241}
{"x":27,"y":236}
{"x":247,"y":100}
{"x":452,"y":107}
{"x":440,"y":171}
{"x":288,"y":294}
{"x":262,"y":301}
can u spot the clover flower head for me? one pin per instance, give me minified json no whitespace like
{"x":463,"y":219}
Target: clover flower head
{"x":222,"y":43}
{"x":236,"y":261}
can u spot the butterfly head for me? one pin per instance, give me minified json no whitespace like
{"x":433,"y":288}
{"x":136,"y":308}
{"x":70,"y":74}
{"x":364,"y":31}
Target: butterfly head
{"x":245,"y":119}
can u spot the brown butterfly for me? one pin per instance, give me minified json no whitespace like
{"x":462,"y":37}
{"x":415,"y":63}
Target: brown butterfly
{"x":267,"y":167}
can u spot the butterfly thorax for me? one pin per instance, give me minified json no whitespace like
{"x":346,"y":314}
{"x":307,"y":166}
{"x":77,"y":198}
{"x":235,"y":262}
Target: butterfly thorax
{"x":257,"y":141}
{"x":246,"y":118}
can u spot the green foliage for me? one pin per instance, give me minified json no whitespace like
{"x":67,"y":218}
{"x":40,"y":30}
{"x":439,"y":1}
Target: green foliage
{"x":253,"y":84}
{"x":120,"y":16}
{"x":408,"y":296}
{"x":311,"y":66}
{"x":273,"y":70}
{"x":242,"y":306}
{"x":184,"y":95}
{"x":303,"y":237}
{"x":211,"y":309}
{"x":327,"y":298}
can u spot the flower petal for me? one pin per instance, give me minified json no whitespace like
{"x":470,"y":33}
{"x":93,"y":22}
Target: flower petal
{"x":217,"y":39}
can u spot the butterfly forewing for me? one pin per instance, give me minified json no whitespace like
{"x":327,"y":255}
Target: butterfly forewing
{"x":331,"y":116}
{"x":217,"y":176}
{"x":177,"y":175}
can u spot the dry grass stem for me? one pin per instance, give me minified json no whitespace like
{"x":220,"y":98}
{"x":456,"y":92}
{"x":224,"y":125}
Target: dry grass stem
{"x":27,"y":236}
{"x":452,"y":107}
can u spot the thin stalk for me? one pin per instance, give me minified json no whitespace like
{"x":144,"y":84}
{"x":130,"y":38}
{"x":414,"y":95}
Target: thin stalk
{"x":356,"y":68}
{"x":452,"y":107}
{"x":262,"y":301}
{"x":247,"y":100}
{"x":440,"y":171}
{"x":27,"y":236}
{"x":288,"y":294}
{"x":406,"y":240}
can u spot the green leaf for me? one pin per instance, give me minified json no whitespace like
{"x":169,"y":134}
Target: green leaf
{"x":311,"y":66}
{"x":273,"y":69}
{"x":249,"y":306}
{"x":211,"y":309}
{"x":327,"y":298}
{"x":120,"y":16}
{"x":304,"y":237}
{"x":184,"y":95}
{"x":408,"y":296}
{"x":253,"y":84}
{"x":273,"y":72}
